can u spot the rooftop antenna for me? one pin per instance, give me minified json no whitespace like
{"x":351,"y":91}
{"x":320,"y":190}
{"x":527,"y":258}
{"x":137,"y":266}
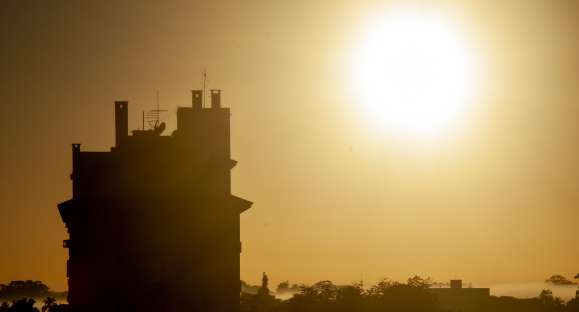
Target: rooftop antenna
{"x":157,"y":99}
{"x":153,"y":116}
{"x":203,"y":89}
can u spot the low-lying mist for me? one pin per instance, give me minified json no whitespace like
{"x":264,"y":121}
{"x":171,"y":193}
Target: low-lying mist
{"x":531,"y":290}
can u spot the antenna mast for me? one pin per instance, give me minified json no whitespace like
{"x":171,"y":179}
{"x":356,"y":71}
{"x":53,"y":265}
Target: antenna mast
{"x":157,"y":110}
{"x":152,"y":117}
{"x":204,"y":81}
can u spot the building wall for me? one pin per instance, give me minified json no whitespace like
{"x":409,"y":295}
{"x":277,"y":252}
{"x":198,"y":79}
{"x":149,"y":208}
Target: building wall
{"x":462,"y":299}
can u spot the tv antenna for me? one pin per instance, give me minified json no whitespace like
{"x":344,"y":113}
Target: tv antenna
{"x":152,"y":117}
{"x":204,"y":77}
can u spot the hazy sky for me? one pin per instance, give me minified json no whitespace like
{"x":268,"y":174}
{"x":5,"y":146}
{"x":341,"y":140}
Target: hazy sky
{"x":495,"y":202}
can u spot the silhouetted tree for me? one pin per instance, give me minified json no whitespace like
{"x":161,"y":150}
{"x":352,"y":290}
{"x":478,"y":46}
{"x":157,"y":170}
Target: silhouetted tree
{"x":572,"y":305}
{"x":248,"y":302}
{"x":264,"y":290}
{"x":419,"y":282}
{"x":23,"y":289}
{"x":386,"y":295}
{"x":21,"y":305}
{"x":284,"y":287}
{"x":48,"y":304}
{"x":546,"y":297}
{"x":559,"y":280}
{"x":393,"y":296}
{"x":350,"y":298}
{"x":247,"y":288}
{"x":318,"y":297}
{"x":262,"y":301}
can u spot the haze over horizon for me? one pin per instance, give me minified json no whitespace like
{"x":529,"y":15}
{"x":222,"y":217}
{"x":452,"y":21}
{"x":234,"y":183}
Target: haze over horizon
{"x":492,"y":202}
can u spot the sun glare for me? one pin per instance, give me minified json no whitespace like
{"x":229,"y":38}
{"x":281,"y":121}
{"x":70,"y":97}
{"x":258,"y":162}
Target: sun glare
{"x":414,"y":73}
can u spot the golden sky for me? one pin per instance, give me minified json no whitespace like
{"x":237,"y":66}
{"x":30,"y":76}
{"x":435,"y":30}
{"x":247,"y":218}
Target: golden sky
{"x":495,"y":202}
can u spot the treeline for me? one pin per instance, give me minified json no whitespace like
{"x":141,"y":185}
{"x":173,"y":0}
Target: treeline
{"x":324,"y":296}
{"x":560,"y":280}
{"x":283,"y":288}
{"x":412,"y":296}
{"x":27,"y":289}
{"x":19,"y":296}
{"x":545,"y":302}
{"x":29,"y":305}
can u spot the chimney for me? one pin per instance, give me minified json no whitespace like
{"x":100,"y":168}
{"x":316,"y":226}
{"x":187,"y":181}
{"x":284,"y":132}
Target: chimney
{"x":215,"y":98}
{"x":456,"y":284}
{"x":121,"y":122}
{"x":197,"y":98}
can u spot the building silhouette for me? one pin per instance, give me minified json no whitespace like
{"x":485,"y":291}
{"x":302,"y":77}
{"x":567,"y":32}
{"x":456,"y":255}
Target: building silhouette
{"x":152,"y":223}
{"x":457,"y":298}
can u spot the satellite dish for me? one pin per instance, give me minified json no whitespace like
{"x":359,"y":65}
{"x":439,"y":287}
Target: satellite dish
{"x":160,"y":128}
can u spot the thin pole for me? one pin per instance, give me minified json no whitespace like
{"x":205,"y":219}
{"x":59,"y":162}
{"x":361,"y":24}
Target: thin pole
{"x":204,"y":81}
{"x":157,"y":121}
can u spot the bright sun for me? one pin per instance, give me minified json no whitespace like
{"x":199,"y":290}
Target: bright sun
{"x":414,"y":73}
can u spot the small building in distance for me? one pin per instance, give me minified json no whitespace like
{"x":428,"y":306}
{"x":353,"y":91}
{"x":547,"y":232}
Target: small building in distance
{"x":457,"y":298}
{"x":152,"y":223}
